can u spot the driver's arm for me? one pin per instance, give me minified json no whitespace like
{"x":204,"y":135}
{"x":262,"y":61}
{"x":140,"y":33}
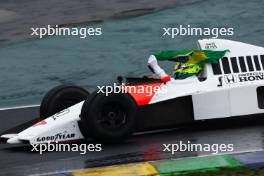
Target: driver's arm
{"x":153,"y":63}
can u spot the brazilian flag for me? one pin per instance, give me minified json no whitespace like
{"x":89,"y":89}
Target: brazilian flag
{"x":192,"y":57}
{"x":193,"y":60}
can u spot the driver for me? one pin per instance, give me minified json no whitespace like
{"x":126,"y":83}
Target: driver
{"x":182,"y":69}
{"x":188,"y":62}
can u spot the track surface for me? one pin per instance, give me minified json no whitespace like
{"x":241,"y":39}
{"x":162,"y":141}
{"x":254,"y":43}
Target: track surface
{"x":19,"y":160}
{"x":18,"y":17}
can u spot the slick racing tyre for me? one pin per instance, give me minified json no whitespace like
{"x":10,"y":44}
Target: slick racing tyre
{"x":109,"y":119}
{"x":61,"y":97}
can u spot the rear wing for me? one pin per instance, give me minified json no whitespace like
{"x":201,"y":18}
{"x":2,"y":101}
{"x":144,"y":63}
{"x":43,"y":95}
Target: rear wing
{"x":242,"y":57}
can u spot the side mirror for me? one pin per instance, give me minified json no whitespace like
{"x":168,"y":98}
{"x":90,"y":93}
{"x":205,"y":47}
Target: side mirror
{"x":120,"y":79}
{"x":165,"y":79}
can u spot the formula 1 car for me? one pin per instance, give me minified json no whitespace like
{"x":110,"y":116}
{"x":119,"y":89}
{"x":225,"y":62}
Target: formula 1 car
{"x":233,"y":87}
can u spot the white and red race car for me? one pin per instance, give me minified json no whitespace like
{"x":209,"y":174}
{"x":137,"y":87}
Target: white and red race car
{"x":232,"y":88}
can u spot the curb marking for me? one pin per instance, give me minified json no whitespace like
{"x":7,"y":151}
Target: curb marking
{"x":139,"y":169}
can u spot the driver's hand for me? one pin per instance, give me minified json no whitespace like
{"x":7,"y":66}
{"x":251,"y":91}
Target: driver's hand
{"x":165,"y":78}
{"x":152,"y":61}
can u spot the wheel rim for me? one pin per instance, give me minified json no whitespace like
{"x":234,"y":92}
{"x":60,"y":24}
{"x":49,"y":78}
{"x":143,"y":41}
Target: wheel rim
{"x":112,"y":116}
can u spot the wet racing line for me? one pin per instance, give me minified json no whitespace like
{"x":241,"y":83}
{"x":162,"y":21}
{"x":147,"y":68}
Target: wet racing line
{"x":19,"y":160}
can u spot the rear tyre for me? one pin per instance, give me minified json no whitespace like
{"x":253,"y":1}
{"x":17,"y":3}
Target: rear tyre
{"x":109,"y":119}
{"x":61,"y":97}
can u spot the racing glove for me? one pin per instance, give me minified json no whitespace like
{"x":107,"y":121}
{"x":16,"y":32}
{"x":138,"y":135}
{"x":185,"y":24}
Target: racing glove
{"x":153,"y":63}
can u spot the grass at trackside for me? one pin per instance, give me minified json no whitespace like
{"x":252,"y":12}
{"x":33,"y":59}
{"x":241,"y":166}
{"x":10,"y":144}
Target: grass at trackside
{"x":206,"y":166}
{"x":201,"y":165}
{"x":223,"y":172}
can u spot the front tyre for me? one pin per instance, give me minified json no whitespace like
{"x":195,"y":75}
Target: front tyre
{"x":109,"y":119}
{"x":61,"y":97}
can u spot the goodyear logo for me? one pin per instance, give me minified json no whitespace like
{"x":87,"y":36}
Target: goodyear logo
{"x":56,"y":137}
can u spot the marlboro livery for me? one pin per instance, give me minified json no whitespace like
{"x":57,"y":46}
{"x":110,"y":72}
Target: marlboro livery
{"x":234,"y":87}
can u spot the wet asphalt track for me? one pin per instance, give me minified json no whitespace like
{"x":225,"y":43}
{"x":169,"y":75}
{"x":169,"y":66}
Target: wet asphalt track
{"x":17,"y":17}
{"x":19,"y":160}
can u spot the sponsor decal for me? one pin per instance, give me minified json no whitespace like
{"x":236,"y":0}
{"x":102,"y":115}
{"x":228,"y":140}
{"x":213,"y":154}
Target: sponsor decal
{"x":61,"y":113}
{"x":43,"y":122}
{"x":210,"y":45}
{"x":220,"y":79}
{"x":243,"y":77}
{"x":56,"y":137}
{"x":230,"y":79}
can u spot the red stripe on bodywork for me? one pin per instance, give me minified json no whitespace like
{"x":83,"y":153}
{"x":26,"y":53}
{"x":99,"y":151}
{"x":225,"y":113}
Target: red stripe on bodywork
{"x":43,"y":122}
{"x":143,"y":98}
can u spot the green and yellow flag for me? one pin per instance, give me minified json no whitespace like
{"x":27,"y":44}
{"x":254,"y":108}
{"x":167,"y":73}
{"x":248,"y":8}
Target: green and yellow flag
{"x":192,"y":57}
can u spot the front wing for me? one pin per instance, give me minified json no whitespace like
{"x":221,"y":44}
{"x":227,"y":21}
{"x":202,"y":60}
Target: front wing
{"x":62,"y":126}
